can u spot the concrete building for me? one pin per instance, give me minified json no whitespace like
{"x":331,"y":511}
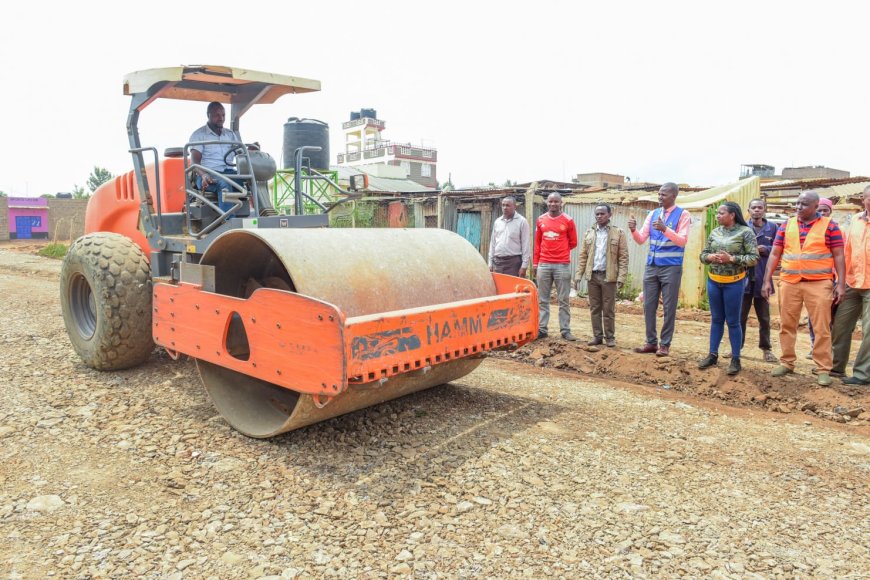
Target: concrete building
{"x":4,"y":218}
{"x":757,"y":170}
{"x":42,"y":218}
{"x":28,"y":217}
{"x":604,"y":180}
{"x":365,"y":149}
{"x":813,"y":172}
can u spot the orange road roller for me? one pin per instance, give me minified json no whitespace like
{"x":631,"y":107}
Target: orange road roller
{"x":290,"y":322}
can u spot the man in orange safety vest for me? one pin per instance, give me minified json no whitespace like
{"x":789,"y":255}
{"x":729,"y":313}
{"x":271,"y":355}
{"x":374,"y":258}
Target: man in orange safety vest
{"x":811,"y":249}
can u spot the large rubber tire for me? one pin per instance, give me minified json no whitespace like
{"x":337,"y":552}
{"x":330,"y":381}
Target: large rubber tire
{"x":105,"y":296}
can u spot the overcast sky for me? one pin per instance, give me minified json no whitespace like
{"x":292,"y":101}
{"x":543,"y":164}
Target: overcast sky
{"x":657,"y":91}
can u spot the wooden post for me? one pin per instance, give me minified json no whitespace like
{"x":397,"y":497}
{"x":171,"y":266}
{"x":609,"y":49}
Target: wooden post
{"x":529,"y":201}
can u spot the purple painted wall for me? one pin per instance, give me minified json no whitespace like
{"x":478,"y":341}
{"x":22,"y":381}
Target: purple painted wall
{"x":28,"y":217}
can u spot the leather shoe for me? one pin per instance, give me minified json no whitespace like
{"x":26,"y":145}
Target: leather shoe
{"x":611,"y":342}
{"x":854,"y":381}
{"x":541,"y":334}
{"x":646,"y":349}
{"x":734,"y":367}
{"x":708,"y":361}
{"x":595,"y":342}
{"x":569,"y":337}
{"x":664,"y":350}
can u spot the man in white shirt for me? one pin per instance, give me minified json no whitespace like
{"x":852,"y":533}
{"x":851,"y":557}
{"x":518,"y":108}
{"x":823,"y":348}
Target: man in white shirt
{"x":215,"y":156}
{"x":509,"y":246}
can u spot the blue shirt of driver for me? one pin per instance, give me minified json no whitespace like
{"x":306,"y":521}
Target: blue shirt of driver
{"x":213,"y":155}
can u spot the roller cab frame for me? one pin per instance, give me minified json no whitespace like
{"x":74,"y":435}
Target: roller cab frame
{"x":274,"y":335}
{"x":163,"y":224}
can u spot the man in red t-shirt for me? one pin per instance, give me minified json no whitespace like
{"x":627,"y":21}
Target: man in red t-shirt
{"x":555,"y":237}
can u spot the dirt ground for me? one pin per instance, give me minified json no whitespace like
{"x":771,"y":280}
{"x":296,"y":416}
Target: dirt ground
{"x":553,"y":461}
{"x":753,"y":387}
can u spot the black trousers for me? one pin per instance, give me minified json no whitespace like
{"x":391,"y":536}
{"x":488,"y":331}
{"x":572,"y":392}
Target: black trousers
{"x":762,"y":312}
{"x":509,"y":265}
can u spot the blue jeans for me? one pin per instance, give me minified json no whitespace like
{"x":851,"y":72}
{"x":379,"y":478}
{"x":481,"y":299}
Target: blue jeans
{"x":217,"y":187}
{"x":726,"y":301}
{"x":546,"y":276}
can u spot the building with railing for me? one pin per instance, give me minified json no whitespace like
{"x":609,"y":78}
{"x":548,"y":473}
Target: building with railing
{"x":365,"y":146}
{"x":757,"y":170}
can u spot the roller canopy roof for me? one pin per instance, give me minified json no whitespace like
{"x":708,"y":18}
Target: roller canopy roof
{"x":215,"y":83}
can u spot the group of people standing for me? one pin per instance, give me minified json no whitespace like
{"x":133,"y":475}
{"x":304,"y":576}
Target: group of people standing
{"x":820,"y":270}
{"x":603,"y":261}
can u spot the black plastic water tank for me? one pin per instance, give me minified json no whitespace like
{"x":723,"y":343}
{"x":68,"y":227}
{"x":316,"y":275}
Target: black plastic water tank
{"x":306,"y":132}
{"x":370,"y":113}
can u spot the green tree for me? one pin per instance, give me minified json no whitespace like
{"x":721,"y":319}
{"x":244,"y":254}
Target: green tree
{"x":79,"y":192}
{"x":98,"y":177}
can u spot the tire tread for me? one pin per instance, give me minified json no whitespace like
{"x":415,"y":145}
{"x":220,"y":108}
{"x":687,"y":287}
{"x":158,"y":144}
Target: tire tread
{"x":120,"y":278}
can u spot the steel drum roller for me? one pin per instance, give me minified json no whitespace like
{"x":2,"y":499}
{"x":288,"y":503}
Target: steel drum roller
{"x":361,"y":272}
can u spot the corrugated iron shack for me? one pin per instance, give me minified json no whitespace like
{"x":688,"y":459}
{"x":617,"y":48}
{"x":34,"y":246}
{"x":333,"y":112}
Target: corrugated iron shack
{"x":845,"y":193}
{"x":470,"y":213}
{"x":700,"y":203}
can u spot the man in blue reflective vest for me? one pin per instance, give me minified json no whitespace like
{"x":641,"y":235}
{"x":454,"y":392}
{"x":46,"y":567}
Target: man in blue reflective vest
{"x":667,"y":228}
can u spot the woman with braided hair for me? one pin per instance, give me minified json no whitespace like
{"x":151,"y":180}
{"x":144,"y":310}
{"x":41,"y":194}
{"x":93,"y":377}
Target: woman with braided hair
{"x":730,"y":251}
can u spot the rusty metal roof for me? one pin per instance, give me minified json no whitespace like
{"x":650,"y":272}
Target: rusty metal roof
{"x":813,"y":183}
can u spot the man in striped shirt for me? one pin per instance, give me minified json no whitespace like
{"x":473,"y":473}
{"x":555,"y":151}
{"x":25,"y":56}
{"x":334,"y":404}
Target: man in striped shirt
{"x":811,"y":248}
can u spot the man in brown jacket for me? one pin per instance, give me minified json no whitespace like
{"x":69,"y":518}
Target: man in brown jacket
{"x":604,"y":261}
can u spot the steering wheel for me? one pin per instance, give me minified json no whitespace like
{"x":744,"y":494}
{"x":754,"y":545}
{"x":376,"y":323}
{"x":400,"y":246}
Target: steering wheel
{"x":237,"y":150}
{"x":233,"y":151}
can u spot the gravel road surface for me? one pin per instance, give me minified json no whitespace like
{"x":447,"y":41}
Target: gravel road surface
{"x":513,"y":471}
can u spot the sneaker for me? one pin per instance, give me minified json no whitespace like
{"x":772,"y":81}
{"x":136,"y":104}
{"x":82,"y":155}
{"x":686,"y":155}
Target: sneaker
{"x":611,"y":342}
{"x":824,"y":379}
{"x":853,"y":380}
{"x":541,"y":334}
{"x":709,"y":361}
{"x":781,"y":371}
{"x":647,"y":349}
{"x":664,"y":350}
{"x":769,"y":357}
{"x":595,"y":342}
{"x":568,"y":336}
{"x":734,"y":367}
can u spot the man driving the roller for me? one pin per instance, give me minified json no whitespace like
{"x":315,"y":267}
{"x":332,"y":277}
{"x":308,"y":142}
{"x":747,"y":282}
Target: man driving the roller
{"x":215,"y":156}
